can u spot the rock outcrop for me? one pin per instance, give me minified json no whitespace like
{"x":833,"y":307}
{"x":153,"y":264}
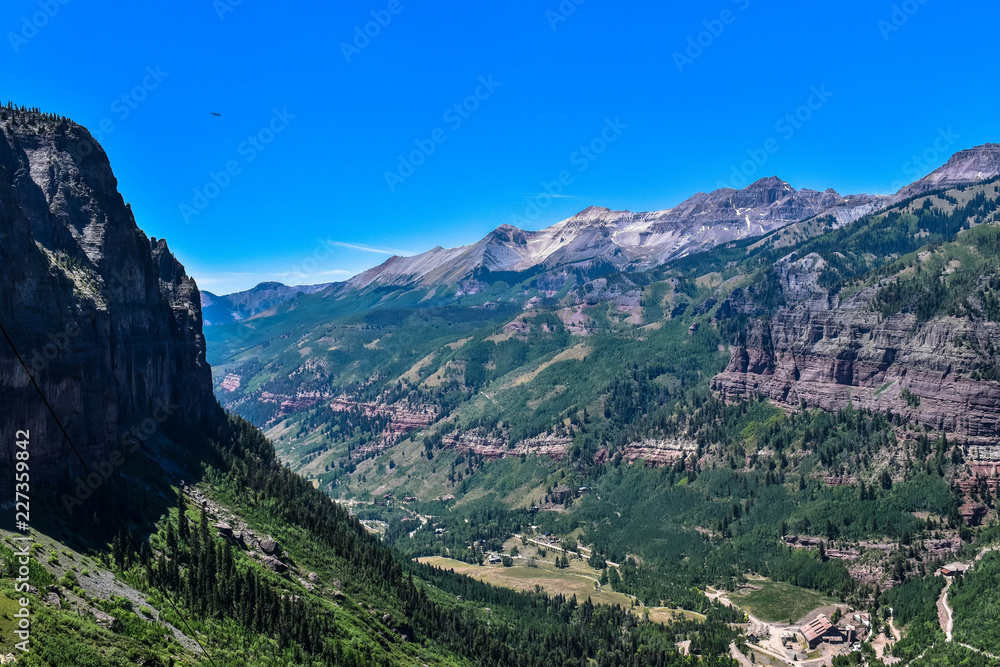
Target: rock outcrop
{"x":819,"y":351}
{"x":495,"y":447}
{"x":106,"y":319}
{"x":659,"y":452}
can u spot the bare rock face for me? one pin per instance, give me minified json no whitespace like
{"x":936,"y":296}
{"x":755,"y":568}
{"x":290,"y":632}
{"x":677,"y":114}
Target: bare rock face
{"x":820,"y":352}
{"x":106,"y":620}
{"x":106,"y":319}
{"x":659,"y":452}
{"x":494,"y":447}
{"x":275,"y":564}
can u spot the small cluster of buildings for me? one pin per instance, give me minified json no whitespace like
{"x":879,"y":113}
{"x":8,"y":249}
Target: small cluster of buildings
{"x":821,"y":630}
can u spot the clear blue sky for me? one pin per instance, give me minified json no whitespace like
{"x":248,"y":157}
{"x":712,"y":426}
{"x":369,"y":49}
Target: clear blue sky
{"x":320,"y":187}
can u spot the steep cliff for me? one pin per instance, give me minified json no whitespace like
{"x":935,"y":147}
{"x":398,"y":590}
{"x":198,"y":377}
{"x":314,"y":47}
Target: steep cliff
{"x":827,"y":353}
{"x":106,"y":319}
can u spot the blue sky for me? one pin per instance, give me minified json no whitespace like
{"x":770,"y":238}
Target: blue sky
{"x":643,"y":104}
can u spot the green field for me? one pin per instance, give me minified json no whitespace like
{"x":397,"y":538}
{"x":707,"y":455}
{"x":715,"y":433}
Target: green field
{"x":577,"y":580}
{"x":776,"y":601}
{"x":573,"y":581}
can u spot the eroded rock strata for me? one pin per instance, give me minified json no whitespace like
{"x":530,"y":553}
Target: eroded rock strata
{"x":821,"y":351}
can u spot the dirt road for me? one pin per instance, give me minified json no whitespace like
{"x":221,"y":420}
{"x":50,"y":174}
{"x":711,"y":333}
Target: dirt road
{"x":946,"y":617}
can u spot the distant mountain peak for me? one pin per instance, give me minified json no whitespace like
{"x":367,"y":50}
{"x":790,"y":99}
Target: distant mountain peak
{"x":970,"y":165}
{"x":508,"y":234}
{"x":245,"y":305}
{"x":770,"y":182}
{"x":598,"y":235}
{"x":593,"y":211}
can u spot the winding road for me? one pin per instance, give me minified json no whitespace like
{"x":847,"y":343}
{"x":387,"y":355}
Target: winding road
{"x":946,"y":616}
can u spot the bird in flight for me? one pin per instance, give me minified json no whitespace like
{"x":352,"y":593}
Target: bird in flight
{"x":216,"y":114}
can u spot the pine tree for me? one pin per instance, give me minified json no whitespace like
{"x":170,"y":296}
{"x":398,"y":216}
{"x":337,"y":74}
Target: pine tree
{"x":118,"y":551}
{"x":615,"y":578}
{"x":203,"y":524}
{"x":183,"y":531}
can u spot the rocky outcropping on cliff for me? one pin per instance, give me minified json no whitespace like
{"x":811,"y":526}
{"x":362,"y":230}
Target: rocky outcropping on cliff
{"x":106,"y":319}
{"x":821,"y":351}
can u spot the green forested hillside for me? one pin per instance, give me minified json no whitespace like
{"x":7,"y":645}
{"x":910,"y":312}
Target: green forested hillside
{"x":577,"y":403}
{"x":367,"y":606}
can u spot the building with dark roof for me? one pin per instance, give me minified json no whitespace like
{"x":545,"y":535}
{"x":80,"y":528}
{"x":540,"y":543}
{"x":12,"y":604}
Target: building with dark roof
{"x":821,"y":629}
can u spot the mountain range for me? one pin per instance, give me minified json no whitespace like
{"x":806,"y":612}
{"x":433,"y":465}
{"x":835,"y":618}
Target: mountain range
{"x":799,"y":300}
{"x":813,"y":404}
{"x":158,"y":530}
{"x":625,"y":240}
{"x":605,"y":442}
{"x":250,"y":303}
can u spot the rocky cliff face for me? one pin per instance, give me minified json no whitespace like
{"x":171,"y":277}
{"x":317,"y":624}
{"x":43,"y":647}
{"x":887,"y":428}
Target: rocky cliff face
{"x":823,"y":352}
{"x":106,"y":319}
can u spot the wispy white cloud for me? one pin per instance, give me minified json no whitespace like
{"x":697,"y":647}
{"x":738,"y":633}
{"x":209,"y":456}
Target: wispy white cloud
{"x":541,"y":195}
{"x":365,"y":248}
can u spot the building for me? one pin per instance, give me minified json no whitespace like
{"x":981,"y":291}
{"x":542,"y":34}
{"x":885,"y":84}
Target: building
{"x":953,"y":569}
{"x":821,"y":629}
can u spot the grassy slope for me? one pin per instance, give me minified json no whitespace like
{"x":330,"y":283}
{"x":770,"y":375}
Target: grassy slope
{"x":776,"y":601}
{"x":575,"y":580}
{"x":87,"y":582}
